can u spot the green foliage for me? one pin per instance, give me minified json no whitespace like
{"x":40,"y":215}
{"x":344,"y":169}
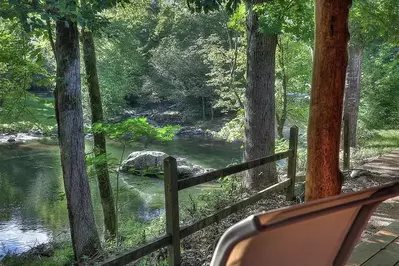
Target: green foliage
{"x":364,"y":134}
{"x":227,"y":70}
{"x":234,"y":129}
{"x":281,"y":145}
{"x":237,"y":20}
{"x":372,"y":20}
{"x":138,"y":233}
{"x":376,"y":143}
{"x":23,"y":65}
{"x":293,"y":78}
{"x":34,"y":15}
{"x":207,"y":6}
{"x":122,"y":61}
{"x":288,"y":17}
{"x":178,"y":69}
{"x":281,"y":16}
{"x":136,"y":129}
{"x":63,"y":255}
{"x":379,"y":98}
{"x":185,"y":80}
{"x":231,"y":191}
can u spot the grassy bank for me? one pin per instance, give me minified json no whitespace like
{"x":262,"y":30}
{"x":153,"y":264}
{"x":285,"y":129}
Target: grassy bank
{"x":33,"y":114}
{"x":375,"y":144}
{"x":61,"y":254}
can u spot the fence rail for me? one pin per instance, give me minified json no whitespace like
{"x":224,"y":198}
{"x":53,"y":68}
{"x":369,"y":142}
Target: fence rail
{"x":346,"y":149}
{"x":172,"y":186}
{"x":188,"y":230}
{"x":207,"y":177}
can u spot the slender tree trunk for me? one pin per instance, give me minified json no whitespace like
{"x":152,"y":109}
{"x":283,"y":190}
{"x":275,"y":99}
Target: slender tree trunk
{"x":212,"y":113}
{"x":50,"y":37}
{"x":323,"y":176}
{"x":203,"y":108}
{"x":352,"y":90}
{"x":260,"y":109}
{"x":85,"y":239}
{"x":283,"y":116}
{"x":233,"y":67}
{"x":100,"y":149}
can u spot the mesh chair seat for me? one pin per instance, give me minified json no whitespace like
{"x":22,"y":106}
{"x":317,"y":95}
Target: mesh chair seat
{"x":317,"y":233}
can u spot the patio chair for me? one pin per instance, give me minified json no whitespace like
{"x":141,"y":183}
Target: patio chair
{"x":317,"y":233}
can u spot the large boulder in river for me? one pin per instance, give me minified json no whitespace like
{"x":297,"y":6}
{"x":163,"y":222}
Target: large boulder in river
{"x":142,"y":160}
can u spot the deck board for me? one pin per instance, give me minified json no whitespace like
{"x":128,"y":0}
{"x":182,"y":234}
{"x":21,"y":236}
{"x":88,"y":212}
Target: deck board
{"x":381,"y":249}
{"x":386,"y":257}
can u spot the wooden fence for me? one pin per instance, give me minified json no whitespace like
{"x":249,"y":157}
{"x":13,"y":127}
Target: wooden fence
{"x":172,"y":185}
{"x":346,"y":148}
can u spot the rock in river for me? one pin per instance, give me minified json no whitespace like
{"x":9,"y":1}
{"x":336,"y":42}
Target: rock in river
{"x":190,"y":132}
{"x":142,"y":160}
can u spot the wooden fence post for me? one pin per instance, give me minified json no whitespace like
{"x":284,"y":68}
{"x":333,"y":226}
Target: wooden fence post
{"x":172,"y":210}
{"x":291,"y":171}
{"x":346,"y":156}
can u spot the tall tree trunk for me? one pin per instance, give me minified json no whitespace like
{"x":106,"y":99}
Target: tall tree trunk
{"x":203,"y":108}
{"x":260,"y":109}
{"x":352,"y":90}
{"x":69,"y":113}
{"x":212,"y":112}
{"x":323,"y":176}
{"x":100,"y":149}
{"x":281,"y":118}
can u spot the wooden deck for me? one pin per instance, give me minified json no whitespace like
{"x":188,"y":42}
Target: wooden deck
{"x":382,"y":249}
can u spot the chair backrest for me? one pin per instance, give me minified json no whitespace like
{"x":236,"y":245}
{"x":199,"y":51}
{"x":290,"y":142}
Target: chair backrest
{"x":321,"y":232}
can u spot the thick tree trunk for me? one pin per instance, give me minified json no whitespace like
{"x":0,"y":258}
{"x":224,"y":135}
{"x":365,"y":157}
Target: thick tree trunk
{"x":352,"y":90}
{"x":323,"y":176}
{"x":100,"y":149}
{"x":259,"y":109}
{"x":85,"y":239}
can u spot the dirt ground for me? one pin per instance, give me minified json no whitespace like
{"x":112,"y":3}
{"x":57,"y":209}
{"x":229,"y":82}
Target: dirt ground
{"x":384,"y":170}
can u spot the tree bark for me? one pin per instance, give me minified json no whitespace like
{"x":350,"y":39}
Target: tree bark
{"x":100,"y":149}
{"x":203,"y":107}
{"x":50,"y":37}
{"x":323,"y":178}
{"x":281,"y":118}
{"x":352,"y":90}
{"x":259,"y":109}
{"x":69,"y":113}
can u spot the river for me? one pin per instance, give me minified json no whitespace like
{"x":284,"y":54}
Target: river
{"x":32,"y":201}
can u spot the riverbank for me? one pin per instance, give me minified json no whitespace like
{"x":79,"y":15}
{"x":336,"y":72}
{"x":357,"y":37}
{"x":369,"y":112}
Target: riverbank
{"x":20,"y":137}
{"x":32,"y":196}
{"x":39,"y":120}
{"x":198,"y":247}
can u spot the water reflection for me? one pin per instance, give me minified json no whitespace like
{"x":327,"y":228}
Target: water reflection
{"x":16,"y":237}
{"x":32,"y":202}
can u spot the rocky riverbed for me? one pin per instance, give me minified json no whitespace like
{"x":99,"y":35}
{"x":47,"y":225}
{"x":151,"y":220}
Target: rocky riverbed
{"x":20,"y":137}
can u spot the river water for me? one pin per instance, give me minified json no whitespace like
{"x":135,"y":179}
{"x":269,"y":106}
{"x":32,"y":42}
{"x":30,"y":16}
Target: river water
{"x":32,"y":202}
